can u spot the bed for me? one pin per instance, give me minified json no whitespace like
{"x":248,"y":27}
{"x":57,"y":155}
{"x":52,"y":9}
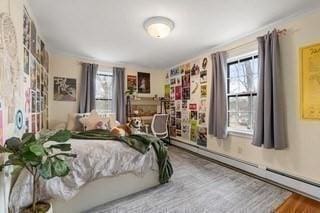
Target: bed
{"x":104,"y":170}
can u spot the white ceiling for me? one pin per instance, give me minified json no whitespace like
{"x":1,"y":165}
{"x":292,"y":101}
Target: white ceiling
{"x":112,"y":30}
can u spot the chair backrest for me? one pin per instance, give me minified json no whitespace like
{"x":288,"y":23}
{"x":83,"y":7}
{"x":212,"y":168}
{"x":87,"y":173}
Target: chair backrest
{"x":159,"y":125}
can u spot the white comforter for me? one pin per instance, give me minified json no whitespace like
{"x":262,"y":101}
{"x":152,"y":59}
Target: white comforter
{"x":95,"y":159}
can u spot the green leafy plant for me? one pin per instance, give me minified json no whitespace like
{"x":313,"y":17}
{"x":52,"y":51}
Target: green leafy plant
{"x":39,"y":158}
{"x":131,"y":91}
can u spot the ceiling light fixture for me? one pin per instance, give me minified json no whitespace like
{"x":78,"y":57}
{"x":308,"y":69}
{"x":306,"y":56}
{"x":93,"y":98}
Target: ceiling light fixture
{"x":158,"y":26}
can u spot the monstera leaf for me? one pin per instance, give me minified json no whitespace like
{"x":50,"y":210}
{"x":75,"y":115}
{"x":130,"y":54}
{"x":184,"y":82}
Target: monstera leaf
{"x":37,"y":149}
{"x":28,"y":137}
{"x":61,"y":136}
{"x":13,"y":144}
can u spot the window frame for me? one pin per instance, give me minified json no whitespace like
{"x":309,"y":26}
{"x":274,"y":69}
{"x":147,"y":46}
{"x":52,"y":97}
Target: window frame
{"x":107,"y":74}
{"x":232,"y":61}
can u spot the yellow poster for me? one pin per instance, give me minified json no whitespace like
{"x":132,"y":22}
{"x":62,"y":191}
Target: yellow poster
{"x":310,"y":82}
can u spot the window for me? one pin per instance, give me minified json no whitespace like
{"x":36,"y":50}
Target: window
{"x":104,"y":91}
{"x":242,"y":83}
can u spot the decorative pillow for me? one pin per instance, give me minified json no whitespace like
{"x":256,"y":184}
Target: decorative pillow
{"x":94,"y":121}
{"x":74,"y":123}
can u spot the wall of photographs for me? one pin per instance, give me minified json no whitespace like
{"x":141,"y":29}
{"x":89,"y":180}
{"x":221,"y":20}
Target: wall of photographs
{"x":36,"y":67}
{"x":188,"y":101}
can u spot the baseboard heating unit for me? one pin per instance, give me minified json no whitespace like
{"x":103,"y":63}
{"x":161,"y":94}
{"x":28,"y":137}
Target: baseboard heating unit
{"x":287,"y":181}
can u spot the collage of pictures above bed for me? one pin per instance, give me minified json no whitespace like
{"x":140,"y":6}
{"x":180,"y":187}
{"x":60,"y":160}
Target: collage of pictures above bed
{"x":187,"y":89}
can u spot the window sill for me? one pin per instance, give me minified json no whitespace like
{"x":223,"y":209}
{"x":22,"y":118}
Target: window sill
{"x":243,"y":134}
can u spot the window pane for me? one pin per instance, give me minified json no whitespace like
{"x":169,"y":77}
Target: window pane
{"x":233,"y":86}
{"x":244,"y":121}
{"x":232,"y":107}
{"x":103,"y":105}
{"x":233,"y":71}
{"x":103,"y":86}
{"x":233,"y":120}
{"x":244,"y":104}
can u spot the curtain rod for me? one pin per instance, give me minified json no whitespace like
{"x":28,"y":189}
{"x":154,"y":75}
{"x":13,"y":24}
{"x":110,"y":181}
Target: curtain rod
{"x":282,"y":32}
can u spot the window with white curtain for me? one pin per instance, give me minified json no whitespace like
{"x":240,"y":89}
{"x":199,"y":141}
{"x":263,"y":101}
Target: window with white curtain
{"x":104,"y":90}
{"x":242,"y":86}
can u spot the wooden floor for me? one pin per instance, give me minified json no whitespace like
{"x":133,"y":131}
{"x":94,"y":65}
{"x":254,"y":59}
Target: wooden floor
{"x":299,"y":204}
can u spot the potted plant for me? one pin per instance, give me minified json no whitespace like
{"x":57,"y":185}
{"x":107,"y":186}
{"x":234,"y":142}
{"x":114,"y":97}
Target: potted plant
{"x":130,"y":92}
{"x":40,"y":159}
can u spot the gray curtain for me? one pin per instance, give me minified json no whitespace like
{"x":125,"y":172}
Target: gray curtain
{"x":118,"y":97}
{"x":270,"y":126}
{"x":218,"y":103}
{"x":88,"y":87}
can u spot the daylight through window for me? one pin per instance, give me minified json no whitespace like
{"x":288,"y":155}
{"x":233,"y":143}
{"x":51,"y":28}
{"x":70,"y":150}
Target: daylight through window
{"x":242,"y":85}
{"x":104,"y":91}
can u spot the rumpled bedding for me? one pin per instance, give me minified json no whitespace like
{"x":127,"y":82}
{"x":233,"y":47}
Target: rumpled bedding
{"x":95,"y":159}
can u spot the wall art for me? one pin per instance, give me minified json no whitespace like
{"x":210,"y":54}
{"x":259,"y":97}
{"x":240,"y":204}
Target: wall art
{"x":131,"y":82}
{"x":143,"y":82}
{"x":64,"y":89}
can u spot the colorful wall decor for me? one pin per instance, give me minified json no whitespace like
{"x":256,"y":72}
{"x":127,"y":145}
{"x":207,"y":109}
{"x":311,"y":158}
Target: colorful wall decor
{"x":64,"y":89}
{"x":310,"y":82}
{"x":1,"y":124}
{"x":143,"y":82}
{"x":188,"y":95}
{"x":131,"y":82}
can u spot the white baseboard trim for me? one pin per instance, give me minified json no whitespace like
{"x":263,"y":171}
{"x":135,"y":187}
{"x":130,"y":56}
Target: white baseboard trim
{"x":287,"y":181}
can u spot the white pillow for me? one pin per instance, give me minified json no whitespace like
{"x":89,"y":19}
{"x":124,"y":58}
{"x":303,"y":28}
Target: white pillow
{"x":94,"y":121}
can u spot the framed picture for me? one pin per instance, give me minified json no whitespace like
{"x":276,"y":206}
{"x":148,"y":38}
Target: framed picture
{"x":310,"y":82}
{"x":131,"y":82}
{"x":64,"y":89}
{"x":143,"y":82}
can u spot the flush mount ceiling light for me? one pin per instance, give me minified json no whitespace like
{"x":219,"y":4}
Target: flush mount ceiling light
{"x":158,"y":26}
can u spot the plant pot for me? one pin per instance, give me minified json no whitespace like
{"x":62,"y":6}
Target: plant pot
{"x":42,"y":207}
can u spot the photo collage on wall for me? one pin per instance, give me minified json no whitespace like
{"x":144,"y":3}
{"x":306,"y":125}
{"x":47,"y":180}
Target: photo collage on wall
{"x":188,"y":101}
{"x":36,"y":67}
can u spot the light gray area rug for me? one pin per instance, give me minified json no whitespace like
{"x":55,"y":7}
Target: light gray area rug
{"x":199,"y":185}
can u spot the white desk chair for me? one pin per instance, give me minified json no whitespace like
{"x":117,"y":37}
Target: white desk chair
{"x":159,"y":125}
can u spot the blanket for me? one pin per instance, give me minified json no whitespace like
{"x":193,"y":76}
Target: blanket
{"x":139,"y":142}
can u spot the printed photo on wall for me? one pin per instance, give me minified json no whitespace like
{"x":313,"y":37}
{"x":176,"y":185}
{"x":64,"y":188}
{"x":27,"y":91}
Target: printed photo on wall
{"x":203,"y":105}
{"x":178,"y":132}
{"x":33,"y":39}
{"x":184,"y":104}
{"x":64,"y":89}
{"x":193,"y":131}
{"x":174,"y":71}
{"x":178,"y":105}
{"x":195,"y":70}
{"x":178,"y":114}
{"x":178,"y":93}
{"x":172,"y":121}
{"x":203,"y":76}
{"x":193,"y":115}
{"x":26,"y":61}
{"x":26,"y":29}
{"x":202,"y":136}
{"x":204,"y":63}
{"x":186,"y":80}
{"x":185,"y":131}
{"x":185,"y":116}
{"x":38,"y":122}
{"x":203,"y":91}
{"x":202,"y":118}
{"x":33,"y":101}
{"x":33,"y":72}
{"x":131,"y":82}
{"x":186,"y":93}
{"x":193,"y":107}
{"x":38,"y":76}
{"x":194,"y":86}
{"x":34,"y":123}
{"x":178,"y":124}
{"x":178,"y":80}
{"x":143,"y":82}
{"x":173,"y":81}
{"x":38,"y":101}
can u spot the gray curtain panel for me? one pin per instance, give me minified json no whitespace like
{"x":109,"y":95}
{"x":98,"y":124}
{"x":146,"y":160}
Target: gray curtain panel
{"x":88,"y":88}
{"x":270,"y":124}
{"x":218,"y":97}
{"x":118,"y":97}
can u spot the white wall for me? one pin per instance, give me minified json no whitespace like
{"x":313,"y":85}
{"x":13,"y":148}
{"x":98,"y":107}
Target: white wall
{"x":70,"y":66}
{"x":302,"y":157}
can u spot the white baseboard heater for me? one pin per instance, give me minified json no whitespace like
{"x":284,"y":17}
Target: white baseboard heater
{"x":290,"y":182}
